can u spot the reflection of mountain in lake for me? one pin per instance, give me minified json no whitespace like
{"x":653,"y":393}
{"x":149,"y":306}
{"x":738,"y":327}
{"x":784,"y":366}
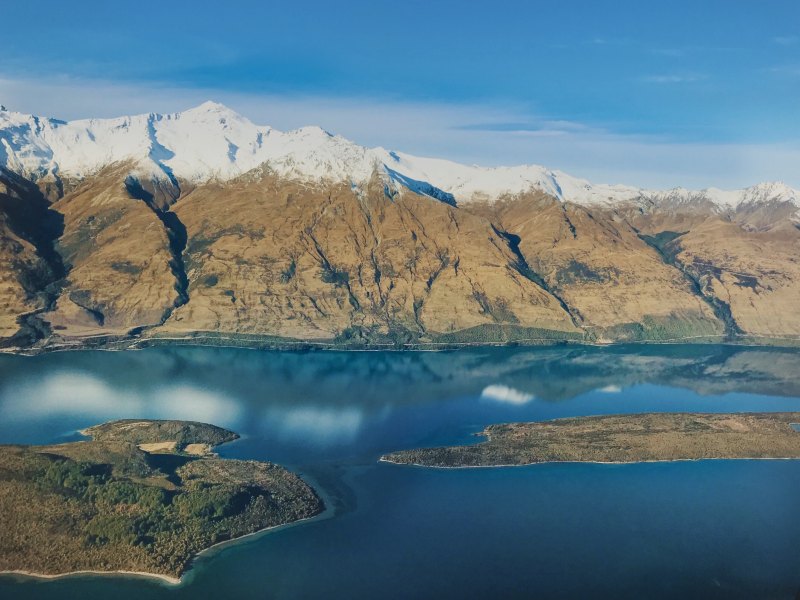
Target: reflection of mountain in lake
{"x":208,"y":377}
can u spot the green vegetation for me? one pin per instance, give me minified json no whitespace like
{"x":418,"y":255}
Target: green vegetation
{"x":506,"y":334}
{"x":84,"y":299}
{"x":288,"y":274}
{"x":578,"y":272}
{"x":77,"y":245}
{"x":108,"y":505}
{"x":621,"y":439}
{"x":334,"y":276}
{"x":209,"y":280}
{"x":138,"y":431}
{"x":662,"y":242}
{"x":359,"y":336}
{"x":200,"y":243}
{"x":695,"y":328}
{"x":124,"y":266}
{"x":698,"y":274}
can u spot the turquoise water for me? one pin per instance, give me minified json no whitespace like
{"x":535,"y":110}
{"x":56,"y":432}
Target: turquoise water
{"x":708,"y":529}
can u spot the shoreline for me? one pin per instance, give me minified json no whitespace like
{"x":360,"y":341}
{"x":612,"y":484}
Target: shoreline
{"x":169,"y":580}
{"x":118,"y":344}
{"x":188,"y":573}
{"x":383,"y":459}
{"x":190,"y":567}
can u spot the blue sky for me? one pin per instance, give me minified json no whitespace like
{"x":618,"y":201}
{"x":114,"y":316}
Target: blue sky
{"x":652,"y":93}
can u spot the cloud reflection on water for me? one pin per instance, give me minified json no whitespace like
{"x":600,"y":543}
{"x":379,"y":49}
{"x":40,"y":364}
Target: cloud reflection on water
{"x":610,"y":389}
{"x":78,"y":393}
{"x":89,"y":398}
{"x":324,"y":399}
{"x":319,"y":425}
{"x":506,"y":394}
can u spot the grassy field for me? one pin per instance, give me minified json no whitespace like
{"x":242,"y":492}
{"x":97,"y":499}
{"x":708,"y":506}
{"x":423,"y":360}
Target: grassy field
{"x":108,"y":505}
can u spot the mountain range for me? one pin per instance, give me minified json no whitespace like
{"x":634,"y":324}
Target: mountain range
{"x":203,"y":226}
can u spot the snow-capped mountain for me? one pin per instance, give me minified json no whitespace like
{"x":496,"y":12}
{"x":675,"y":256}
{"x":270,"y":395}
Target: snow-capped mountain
{"x":212,"y":142}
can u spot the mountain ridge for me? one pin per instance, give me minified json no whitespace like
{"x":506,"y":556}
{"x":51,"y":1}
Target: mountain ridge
{"x":202,"y":227}
{"x":213,"y":142}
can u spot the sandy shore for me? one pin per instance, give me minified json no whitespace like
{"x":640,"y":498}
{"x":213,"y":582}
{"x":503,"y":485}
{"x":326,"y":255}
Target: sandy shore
{"x":165,"y":578}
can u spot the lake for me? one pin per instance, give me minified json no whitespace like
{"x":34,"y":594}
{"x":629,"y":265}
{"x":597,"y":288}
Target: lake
{"x":707,"y":529}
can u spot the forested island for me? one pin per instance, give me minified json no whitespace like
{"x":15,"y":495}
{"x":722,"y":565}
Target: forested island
{"x":621,"y":439}
{"x":141,"y":496}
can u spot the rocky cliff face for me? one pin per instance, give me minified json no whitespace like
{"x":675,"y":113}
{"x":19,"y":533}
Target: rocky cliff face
{"x":293,"y":251}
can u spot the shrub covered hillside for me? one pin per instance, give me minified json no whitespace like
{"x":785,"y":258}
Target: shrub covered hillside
{"x":108,"y":505}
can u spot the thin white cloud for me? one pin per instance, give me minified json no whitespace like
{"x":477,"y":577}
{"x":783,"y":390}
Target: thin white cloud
{"x":673,"y":78}
{"x":790,"y":70}
{"x":609,"y":41}
{"x":786,"y":40}
{"x":483,"y":134}
{"x":670,"y":52}
{"x":506,"y":395}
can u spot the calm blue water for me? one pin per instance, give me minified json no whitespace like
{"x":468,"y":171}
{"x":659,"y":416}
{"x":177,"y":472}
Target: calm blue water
{"x":710,"y":529}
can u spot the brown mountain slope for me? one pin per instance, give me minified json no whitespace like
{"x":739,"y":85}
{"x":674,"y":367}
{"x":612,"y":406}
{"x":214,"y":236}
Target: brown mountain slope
{"x":20,"y":263}
{"x":28,"y":265}
{"x":753,"y":275}
{"x":285,"y":261}
{"x":117,"y":253}
{"x":267,"y":256}
{"x":616,"y":286}
{"x":745,"y":262}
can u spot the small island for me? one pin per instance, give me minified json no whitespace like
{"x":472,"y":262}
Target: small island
{"x":631,"y":438}
{"x":141,"y":497}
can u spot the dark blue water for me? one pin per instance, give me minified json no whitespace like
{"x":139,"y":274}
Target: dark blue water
{"x":709,"y":529}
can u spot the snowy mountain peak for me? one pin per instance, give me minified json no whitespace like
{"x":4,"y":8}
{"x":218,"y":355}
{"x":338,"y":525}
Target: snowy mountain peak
{"x":770,"y":191}
{"x":212,"y":141}
{"x":211,"y":106}
{"x":312,"y":131}
{"x":211,"y":113}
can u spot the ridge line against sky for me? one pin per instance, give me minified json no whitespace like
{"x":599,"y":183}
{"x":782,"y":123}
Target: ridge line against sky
{"x":686,"y":94}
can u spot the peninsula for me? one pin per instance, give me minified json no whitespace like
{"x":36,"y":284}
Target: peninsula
{"x":621,"y":439}
{"x":140,"y":496}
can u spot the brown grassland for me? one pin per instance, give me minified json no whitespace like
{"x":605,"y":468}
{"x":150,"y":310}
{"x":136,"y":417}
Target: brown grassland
{"x":621,"y":439}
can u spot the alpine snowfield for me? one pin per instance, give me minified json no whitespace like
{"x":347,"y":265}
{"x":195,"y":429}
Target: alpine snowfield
{"x":212,"y":142}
